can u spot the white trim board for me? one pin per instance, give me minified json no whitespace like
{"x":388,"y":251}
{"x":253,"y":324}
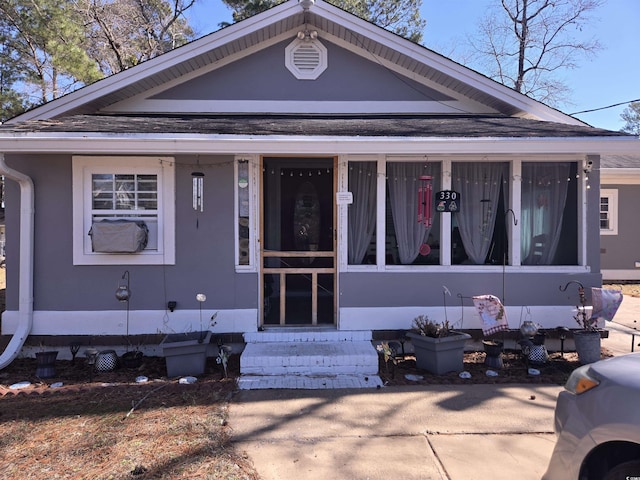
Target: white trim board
{"x":141,"y":322}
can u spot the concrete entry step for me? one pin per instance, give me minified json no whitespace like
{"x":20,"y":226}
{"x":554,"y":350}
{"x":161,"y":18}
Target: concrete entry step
{"x":307,"y":382}
{"x":306,"y":334}
{"x":308,"y":359}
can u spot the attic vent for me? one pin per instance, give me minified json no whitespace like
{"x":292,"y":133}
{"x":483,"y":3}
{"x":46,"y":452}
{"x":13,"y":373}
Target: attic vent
{"x":306,"y":59}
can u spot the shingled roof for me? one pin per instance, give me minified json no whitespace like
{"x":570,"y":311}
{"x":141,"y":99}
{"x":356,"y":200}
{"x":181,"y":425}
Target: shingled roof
{"x":296,"y":125}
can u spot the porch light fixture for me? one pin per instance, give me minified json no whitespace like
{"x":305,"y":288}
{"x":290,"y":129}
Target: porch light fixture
{"x":198,"y":190}
{"x":307,"y":35}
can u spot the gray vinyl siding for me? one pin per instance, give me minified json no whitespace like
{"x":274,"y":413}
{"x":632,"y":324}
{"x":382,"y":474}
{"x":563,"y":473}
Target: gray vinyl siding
{"x":425,"y":289}
{"x":263,"y":76}
{"x":204,"y":246}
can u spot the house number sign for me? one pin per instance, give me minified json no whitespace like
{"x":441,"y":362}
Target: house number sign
{"x":447,"y":201}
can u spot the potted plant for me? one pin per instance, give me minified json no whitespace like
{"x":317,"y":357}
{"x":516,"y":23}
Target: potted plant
{"x":186,"y":353}
{"x":46,"y":362}
{"x":587,"y":340}
{"x":438,"y":348}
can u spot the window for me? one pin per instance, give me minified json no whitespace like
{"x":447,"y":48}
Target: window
{"x":549,"y":222}
{"x":478,"y":235}
{"x":137,"y":189}
{"x":362,"y":213}
{"x":536,"y":203}
{"x":608,"y":211}
{"x":408,"y":240}
{"x":244,"y":187}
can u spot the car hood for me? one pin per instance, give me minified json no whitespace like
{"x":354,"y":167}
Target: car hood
{"x":622,"y":370}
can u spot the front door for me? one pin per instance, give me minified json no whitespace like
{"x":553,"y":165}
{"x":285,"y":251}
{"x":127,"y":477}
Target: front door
{"x":298,"y":241}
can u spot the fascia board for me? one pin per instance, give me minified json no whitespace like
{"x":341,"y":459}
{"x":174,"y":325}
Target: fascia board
{"x":134,"y":74}
{"x":171,"y":144}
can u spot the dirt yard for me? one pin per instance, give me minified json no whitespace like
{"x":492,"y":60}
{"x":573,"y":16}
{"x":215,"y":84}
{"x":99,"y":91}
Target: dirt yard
{"x":108,"y":426}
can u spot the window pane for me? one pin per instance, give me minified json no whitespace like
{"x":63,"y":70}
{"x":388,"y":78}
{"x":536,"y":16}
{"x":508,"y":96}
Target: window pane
{"x":549,"y":214}
{"x":479,"y":234}
{"x":408,"y":197}
{"x":243,"y":212}
{"x":130,"y":193}
{"x":362,"y":213}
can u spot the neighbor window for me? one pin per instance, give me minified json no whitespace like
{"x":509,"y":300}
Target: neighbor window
{"x":608,"y":211}
{"x":133,"y":189}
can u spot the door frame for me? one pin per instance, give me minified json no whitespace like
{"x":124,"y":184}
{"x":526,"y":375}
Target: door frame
{"x":287,"y":162}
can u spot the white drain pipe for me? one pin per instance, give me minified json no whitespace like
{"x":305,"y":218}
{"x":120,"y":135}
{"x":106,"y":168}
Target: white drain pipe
{"x":25,"y":263}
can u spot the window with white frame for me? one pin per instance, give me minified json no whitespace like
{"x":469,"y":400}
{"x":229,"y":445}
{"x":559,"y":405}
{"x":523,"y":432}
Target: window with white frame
{"x":608,"y":211}
{"x":544,"y":206}
{"x":129,"y":189}
{"x":244,"y":189}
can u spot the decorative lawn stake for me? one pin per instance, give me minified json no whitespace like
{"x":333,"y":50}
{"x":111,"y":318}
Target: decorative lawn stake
{"x":425,"y":200}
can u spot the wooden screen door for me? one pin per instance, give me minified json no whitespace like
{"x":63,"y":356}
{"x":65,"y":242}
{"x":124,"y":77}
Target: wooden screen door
{"x":298,"y":256}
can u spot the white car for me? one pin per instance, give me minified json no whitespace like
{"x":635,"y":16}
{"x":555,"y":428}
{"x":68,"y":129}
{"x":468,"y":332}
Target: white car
{"x":597,"y":422}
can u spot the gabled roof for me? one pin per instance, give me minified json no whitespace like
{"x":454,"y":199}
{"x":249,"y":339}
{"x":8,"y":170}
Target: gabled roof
{"x":283,"y":22}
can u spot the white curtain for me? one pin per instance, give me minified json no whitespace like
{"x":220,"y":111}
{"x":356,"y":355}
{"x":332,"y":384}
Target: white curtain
{"x":403,"y":181}
{"x":362,"y":212}
{"x":544,"y":196}
{"x":479,"y":187}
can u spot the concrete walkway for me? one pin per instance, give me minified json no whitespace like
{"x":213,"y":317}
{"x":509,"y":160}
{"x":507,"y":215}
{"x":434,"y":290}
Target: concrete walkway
{"x":451,"y":432}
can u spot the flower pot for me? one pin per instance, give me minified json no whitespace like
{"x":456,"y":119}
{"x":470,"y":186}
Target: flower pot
{"x":131,"y":359}
{"x":106,"y":361}
{"x":493,"y":350}
{"x":46,"y":364}
{"x":587,"y":345}
{"x":186,"y":353}
{"x":439,"y":355}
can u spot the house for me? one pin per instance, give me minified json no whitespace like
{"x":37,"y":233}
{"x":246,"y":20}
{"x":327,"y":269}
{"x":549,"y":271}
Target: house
{"x":619,"y":226}
{"x":300,"y":168}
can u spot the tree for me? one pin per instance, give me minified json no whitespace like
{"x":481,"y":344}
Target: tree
{"x":399,"y":16}
{"x":631,"y":115}
{"x":124,"y":33}
{"x":43,"y":48}
{"x":12,"y":102}
{"x":524,"y":44}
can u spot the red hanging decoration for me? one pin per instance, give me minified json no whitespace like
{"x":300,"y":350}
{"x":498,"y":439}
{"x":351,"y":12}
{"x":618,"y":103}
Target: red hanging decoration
{"x":425,"y":199}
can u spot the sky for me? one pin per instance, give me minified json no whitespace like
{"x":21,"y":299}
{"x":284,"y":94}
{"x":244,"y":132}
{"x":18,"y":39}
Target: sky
{"x":612,"y":77}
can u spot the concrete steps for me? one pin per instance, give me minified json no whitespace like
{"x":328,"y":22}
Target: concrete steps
{"x":306,"y":358}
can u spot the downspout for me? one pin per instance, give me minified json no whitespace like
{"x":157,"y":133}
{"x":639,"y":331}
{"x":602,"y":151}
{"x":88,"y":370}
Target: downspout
{"x":25,"y":264}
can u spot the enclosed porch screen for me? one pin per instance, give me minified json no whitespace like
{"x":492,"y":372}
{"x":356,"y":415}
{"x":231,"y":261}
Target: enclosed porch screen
{"x":537,"y":205}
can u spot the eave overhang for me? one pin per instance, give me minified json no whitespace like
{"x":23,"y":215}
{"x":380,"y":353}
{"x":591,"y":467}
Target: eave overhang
{"x":156,"y":144}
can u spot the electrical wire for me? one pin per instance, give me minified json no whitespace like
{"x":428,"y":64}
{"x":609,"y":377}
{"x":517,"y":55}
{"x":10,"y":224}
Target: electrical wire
{"x":608,"y":106}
